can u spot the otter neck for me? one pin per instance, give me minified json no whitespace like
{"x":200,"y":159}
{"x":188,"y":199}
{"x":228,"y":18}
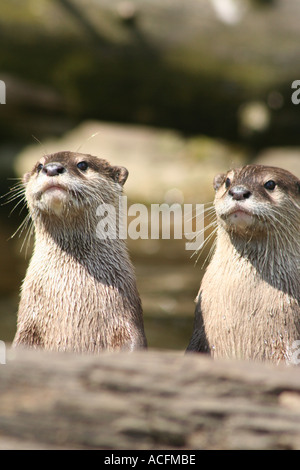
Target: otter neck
{"x":273,"y":259}
{"x":77,"y":236}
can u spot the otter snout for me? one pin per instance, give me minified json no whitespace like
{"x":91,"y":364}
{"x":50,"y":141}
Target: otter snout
{"x":51,"y":195}
{"x":53,"y":169}
{"x":237,"y":212}
{"x":238,"y":193}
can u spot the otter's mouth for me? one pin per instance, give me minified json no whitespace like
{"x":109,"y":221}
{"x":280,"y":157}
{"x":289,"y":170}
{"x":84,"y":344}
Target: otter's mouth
{"x":239,"y":217}
{"x":53,"y":187}
{"x":239,"y":213}
{"x":53,"y":197}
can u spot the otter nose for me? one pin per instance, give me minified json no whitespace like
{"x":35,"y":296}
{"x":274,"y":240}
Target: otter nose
{"x":238,"y":193}
{"x":53,"y":169}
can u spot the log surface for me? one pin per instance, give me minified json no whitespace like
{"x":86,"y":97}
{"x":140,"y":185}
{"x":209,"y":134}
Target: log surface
{"x":146,"y":400}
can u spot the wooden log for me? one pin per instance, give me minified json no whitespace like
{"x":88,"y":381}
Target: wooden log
{"x":146,"y":400}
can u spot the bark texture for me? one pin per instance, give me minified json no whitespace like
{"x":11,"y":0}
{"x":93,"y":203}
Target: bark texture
{"x":146,"y":400}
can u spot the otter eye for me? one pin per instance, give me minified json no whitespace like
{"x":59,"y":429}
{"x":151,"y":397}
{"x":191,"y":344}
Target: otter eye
{"x":82,"y":166}
{"x":270,"y":185}
{"x":227,"y":183}
{"x":39,"y":167}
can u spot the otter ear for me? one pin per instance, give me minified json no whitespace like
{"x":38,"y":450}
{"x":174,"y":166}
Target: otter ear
{"x":26,"y":177}
{"x":119,"y":174}
{"x":218,"y":181}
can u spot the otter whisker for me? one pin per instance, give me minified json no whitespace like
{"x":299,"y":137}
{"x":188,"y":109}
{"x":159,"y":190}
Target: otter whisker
{"x":13,"y":194}
{"x":203,"y":231}
{"x":21,"y":201}
{"x":21,"y":227}
{"x":212,"y":249}
{"x":40,"y":143}
{"x":207,"y":211}
{"x":209,"y":215}
{"x":28,"y":235}
{"x":87,"y":140}
{"x":275,"y":221}
{"x":199,"y":250}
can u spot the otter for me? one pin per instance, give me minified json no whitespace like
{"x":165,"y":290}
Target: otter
{"x":248,"y":305}
{"x":79,"y":293}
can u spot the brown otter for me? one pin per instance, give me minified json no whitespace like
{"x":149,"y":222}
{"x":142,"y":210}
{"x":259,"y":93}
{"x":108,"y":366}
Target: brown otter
{"x":248,"y":305}
{"x":79,"y":293}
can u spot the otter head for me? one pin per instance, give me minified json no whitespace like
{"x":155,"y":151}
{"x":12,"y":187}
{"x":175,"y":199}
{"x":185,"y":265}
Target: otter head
{"x":255,"y":198}
{"x":66,"y":183}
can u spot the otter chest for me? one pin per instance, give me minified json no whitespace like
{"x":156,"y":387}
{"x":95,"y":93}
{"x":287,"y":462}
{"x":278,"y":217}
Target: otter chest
{"x":247,"y":316}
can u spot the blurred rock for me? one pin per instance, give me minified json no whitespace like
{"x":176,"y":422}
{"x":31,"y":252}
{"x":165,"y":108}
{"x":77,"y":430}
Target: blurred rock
{"x":284,"y":157}
{"x":162,"y":164}
{"x":183,"y":65}
{"x":254,"y":117}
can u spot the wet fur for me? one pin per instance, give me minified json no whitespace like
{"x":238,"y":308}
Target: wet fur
{"x":248,"y":305}
{"x":79,"y":293}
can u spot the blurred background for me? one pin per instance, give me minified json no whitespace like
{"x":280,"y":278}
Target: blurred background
{"x":174,"y":90}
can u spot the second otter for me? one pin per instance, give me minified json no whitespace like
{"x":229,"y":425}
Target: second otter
{"x":79,"y":293}
{"x":248,"y":305}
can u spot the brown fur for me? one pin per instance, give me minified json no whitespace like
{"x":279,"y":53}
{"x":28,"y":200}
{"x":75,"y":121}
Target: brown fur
{"x":248,"y":306}
{"x":79,"y":293}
